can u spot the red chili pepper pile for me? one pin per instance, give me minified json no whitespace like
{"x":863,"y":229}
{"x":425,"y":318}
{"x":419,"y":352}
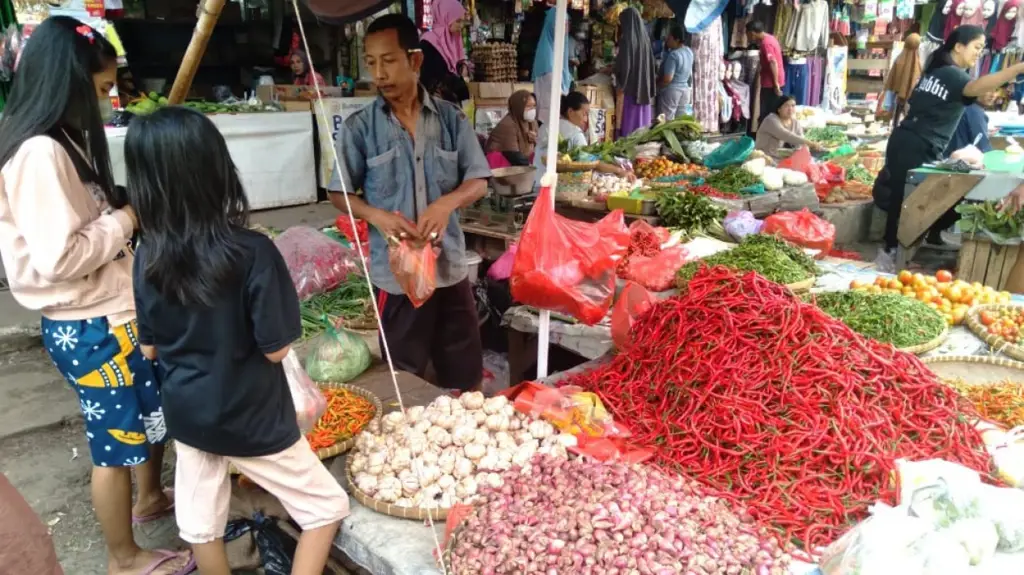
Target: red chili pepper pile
{"x":644,"y":240}
{"x":775,"y":405}
{"x":706,"y":190}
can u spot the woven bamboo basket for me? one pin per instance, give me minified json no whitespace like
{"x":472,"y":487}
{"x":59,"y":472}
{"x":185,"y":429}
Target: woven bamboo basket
{"x":574,"y":185}
{"x":449,"y":547}
{"x":343,"y":446}
{"x":994,"y":341}
{"x":417,"y":513}
{"x":569,"y":167}
{"x":928,"y":345}
{"x":965,"y":367}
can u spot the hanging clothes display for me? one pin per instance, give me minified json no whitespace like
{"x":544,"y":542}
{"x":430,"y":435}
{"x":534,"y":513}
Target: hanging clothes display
{"x":707,"y":74}
{"x":810,"y":30}
{"x":1005,"y":25}
{"x":954,"y":15}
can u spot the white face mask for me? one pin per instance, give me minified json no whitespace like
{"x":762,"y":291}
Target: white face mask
{"x":106,"y":110}
{"x":530,"y":115}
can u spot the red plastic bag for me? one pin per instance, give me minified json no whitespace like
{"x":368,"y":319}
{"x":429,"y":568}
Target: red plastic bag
{"x":316,"y":263}
{"x":344,"y":225}
{"x":415,"y":269}
{"x":657,"y":273}
{"x":802,"y":161}
{"x":660,"y":234}
{"x":568,"y":266}
{"x":803,"y":229}
{"x":831,"y":176}
{"x":632,"y":303}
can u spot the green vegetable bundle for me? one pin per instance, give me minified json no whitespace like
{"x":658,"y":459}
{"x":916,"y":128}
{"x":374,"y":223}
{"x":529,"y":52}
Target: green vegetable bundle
{"x":766,"y":255}
{"x":671,"y":133}
{"x":691,"y":213}
{"x":1000,"y":226}
{"x":349,"y":301}
{"x":859,"y":173}
{"x":888,"y":318}
{"x":829,"y":136}
{"x":731,"y":179}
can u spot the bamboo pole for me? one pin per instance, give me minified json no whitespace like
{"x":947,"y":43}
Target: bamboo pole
{"x":209,"y":12}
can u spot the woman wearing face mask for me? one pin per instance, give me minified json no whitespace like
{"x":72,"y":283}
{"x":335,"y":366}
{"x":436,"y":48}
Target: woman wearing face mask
{"x":571,"y":128}
{"x":444,"y":57}
{"x":516,"y":134}
{"x":935,"y":107}
{"x":64,"y":240}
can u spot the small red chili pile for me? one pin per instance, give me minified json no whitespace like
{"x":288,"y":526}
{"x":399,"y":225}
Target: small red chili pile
{"x":644,"y":240}
{"x":775,"y":405}
{"x":706,"y":190}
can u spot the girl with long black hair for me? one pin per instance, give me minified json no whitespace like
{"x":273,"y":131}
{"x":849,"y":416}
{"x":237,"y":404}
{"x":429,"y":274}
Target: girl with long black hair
{"x":218,"y":310}
{"x":935,"y":107}
{"x":65,"y":236}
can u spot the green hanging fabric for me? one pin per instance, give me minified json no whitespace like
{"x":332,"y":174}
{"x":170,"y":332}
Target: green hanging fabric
{"x":7,"y":18}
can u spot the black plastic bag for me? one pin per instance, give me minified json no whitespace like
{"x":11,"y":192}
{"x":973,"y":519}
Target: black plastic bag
{"x":276,"y":549}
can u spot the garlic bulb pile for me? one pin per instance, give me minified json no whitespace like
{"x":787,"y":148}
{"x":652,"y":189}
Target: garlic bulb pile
{"x":608,"y":184}
{"x":437,"y":456}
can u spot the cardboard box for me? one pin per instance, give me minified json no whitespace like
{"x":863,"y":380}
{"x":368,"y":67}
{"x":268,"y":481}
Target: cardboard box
{"x":599,"y":96}
{"x":495,"y":93}
{"x":292,"y":93}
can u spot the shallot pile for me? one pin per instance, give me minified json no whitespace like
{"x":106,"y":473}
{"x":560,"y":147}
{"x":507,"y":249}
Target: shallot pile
{"x":438,"y":455}
{"x":579,"y":517}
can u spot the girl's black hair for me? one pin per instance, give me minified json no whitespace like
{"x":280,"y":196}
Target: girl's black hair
{"x":189,"y":200}
{"x":782,"y":101}
{"x":572,"y":101}
{"x":943,"y":55}
{"x":53,"y":94}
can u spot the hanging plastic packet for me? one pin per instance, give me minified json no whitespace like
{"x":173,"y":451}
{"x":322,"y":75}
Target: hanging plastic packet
{"x":415,"y":268}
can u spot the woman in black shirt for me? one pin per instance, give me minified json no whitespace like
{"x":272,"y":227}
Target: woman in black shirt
{"x":935,"y":107}
{"x":444,"y":57}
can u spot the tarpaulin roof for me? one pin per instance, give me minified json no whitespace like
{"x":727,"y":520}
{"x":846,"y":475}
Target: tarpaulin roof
{"x":342,"y":11}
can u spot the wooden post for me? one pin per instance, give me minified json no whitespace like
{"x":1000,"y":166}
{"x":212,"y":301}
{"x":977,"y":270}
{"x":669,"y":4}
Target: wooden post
{"x":209,"y":12}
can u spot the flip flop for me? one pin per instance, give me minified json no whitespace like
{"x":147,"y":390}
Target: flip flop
{"x":139,"y":520}
{"x":167,"y":555}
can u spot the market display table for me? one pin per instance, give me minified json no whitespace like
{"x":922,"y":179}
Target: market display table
{"x":930,"y":193}
{"x":273,"y":152}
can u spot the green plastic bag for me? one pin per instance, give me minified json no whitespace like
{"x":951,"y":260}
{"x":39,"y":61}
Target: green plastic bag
{"x":844,"y":150}
{"x":337,"y":356}
{"x":729,"y":153}
{"x":753,"y":190}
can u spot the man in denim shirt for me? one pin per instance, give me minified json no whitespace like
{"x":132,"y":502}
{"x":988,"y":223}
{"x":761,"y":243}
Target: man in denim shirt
{"x":415,"y":161}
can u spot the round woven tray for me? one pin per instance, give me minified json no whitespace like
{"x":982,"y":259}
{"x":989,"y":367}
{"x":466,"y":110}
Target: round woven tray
{"x":449,"y":547}
{"x":802,"y":285}
{"x":966,"y":368}
{"x":928,"y":345}
{"x":563,"y":167}
{"x":343,"y":446}
{"x":417,"y":513}
{"x":994,"y":341}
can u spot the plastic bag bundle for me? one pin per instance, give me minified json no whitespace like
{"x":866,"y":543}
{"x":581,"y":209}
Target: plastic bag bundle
{"x":883,"y":544}
{"x":740,"y":224}
{"x":310,"y":403}
{"x":415,"y":269}
{"x":316,"y":263}
{"x":263,"y":532}
{"x":568,"y":266}
{"x":802,"y":228}
{"x":657,"y":273}
{"x":631,"y":304}
{"x":337,"y":355}
{"x":1004,"y":507}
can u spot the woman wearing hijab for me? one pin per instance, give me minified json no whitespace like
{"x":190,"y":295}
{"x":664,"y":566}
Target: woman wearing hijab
{"x":544,"y":65}
{"x":444,"y":56}
{"x":634,"y":74}
{"x":303,"y":73}
{"x":515,"y":136}
{"x":903,"y":76}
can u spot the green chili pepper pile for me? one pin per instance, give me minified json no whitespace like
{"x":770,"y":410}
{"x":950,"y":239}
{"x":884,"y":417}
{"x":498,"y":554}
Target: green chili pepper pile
{"x":731,"y":179}
{"x":886,"y":317}
{"x":349,"y":301}
{"x":792,"y":252}
{"x":691,"y":213}
{"x":859,"y":173}
{"x":829,"y":136}
{"x":766,"y":255}
{"x":986,"y":216}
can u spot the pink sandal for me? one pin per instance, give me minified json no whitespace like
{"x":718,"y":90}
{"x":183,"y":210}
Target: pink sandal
{"x":139,"y":520}
{"x":165,"y":556}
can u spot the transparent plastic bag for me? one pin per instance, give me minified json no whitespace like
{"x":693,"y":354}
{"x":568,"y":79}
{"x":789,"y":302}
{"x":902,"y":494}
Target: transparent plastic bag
{"x":631,"y":304}
{"x":309,"y":401}
{"x":415,"y":269}
{"x":568,"y":266}
{"x":337,"y":355}
{"x":939,"y":491}
{"x":1004,"y":507}
{"x":316,"y":263}
{"x":884,"y":543}
{"x":740,"y":224}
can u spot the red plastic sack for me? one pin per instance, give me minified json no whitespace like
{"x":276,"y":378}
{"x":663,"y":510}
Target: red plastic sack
{"x":344,"y":225}
{"x":568,"y":266}
{"x":316,"y":263}
{"x":657,"y":273}
{"x":802,"y":161}
{"x":632,"y":303}
{"x":831,"y":176}
{"x":803,"y":229}
{"x":415,"y":269}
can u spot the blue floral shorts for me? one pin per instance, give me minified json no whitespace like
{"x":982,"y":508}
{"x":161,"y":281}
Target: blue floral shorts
{"x":118,"y":388}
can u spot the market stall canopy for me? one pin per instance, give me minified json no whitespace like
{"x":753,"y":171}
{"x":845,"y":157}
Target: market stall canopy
{"x":342,"y":11}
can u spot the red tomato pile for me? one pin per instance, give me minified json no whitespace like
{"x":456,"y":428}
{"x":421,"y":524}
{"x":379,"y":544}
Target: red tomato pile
{"x":1007,"y":323}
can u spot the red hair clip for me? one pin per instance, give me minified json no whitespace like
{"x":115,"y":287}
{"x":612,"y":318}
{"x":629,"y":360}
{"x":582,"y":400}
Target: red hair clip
{"x":87,"y":32}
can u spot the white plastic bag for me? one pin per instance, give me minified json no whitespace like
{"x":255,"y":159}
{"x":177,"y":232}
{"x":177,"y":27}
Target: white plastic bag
{"x":939,"y":491}
{"x":977,"y":536}
{"x":1004,"y":508}
{"x":942,"y":555}
{"x":1008,"y":456}
{"x":970,"y":154}
{"x":741,"y":224}
{"x":883,"y":544}
{"x":310,"y":403}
